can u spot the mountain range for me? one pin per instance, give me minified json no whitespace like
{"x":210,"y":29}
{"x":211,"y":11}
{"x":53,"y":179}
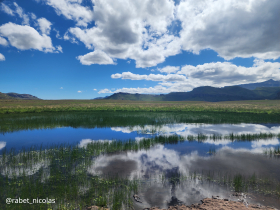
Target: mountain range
{"x":255,"y":91}
{"x":269,"y":89}
{"x":17,"y":96}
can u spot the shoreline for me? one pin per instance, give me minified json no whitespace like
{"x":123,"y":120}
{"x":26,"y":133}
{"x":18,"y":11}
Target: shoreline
{"x":215,"y":203}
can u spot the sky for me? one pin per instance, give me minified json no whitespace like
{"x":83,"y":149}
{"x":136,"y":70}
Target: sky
{"x":83,"y":49}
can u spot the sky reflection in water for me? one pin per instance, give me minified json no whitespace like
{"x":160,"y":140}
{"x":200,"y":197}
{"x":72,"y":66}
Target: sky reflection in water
{"x":231,"y":157}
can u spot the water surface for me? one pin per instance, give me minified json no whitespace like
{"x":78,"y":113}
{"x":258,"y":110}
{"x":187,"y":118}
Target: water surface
{"x":221,"y":157}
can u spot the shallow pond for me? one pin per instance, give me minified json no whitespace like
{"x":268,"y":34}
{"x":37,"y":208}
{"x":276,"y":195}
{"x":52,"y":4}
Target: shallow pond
{"x":214,"y":151}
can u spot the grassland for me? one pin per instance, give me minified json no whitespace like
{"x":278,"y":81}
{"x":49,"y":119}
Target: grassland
{"x":31,"y":106}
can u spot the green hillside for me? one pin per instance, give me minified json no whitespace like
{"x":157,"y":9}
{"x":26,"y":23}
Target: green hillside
{"x":269,"y":92}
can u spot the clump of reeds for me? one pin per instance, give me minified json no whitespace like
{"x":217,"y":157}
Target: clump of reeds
{"x":272,"y":152}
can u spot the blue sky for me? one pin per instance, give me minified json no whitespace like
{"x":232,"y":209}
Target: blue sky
{"x":82,"y":49}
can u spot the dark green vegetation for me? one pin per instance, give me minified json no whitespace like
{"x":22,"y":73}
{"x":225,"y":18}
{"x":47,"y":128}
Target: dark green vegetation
{"x":17,"y":96}
{"x":101,"y":119}
{"x":32,"y":106}
{"x":207,"y":93}
{"x":275,"y":152}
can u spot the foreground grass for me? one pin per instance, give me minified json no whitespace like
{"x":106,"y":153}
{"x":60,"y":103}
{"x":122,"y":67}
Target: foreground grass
{"x":31,"y":106}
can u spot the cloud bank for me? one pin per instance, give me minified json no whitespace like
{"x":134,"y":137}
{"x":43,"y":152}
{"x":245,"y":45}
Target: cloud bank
{"x":144,"y":31}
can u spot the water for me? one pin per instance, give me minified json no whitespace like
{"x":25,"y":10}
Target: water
{"x":189,"y":162}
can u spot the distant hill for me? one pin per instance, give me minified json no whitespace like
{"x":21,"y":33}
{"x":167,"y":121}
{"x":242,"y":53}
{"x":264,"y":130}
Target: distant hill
{"x":98,"y":98}
{"x":135,"y":97}
{"x":206,"y":93}
{"x":4,"y":96}
{"x":268,"y":83}
{"x":17,"y":96}
{"x":213,"y":94}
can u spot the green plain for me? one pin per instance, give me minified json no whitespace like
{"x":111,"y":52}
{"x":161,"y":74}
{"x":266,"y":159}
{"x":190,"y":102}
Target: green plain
{"x":33,"y":106}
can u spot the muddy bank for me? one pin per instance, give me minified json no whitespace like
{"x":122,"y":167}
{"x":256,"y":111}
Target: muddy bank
{"x":216,"y":204}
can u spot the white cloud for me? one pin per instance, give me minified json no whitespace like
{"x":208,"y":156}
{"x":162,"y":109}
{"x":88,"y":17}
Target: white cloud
{"x":79,"y":91}
{"x":122,"y":28}
{"x":57,"y":34}
{"x":21,"y":14}
{"x":2,"y":144}
{"x":217,"y":74}
{"x":233,"y":28}
{"x":95,"y":89}
{"x":169,"y":69}
{"x":7,"y":9}
{"x":96,"y":57}
{"x":225,"y":74}
{"x":45,"y":25}
{"x":59,"y":49}
{"x":18,"y":10}
{"x":72,"y":9}
{"x":140,"y":29}
{"x":105,"y":91}
{"x":3,"y":41}
{"x":152,"y":77}
{"x":61,"y":88}
{"x":26,"y":37}
{"x":33,"y":16}
{"x":2,"y":57}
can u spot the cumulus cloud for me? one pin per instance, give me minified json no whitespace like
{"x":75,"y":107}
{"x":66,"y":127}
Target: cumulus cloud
{"x":140,"y":29}
{"x":79,"y":91}
{"x":223,"y":74}
{"x":218,"y":74}
{"x":105,"y":91}
{"x":96,"y":57}
{"x":26,"y":37}
{"x":233,"y":28}
{"x":3,"y":41}
{"x":45,"y":25}
{"x":169,"y":69}
{"x":73,"y":10}
{"x":2,"y":57}
{"x":123,"y":28}
{"x":95,"y":89}
{"x":152,"y":77}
